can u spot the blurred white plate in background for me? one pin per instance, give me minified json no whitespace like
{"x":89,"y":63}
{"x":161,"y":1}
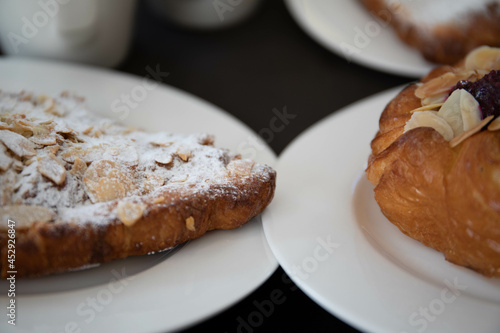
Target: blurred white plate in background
{"x":348,"y":30}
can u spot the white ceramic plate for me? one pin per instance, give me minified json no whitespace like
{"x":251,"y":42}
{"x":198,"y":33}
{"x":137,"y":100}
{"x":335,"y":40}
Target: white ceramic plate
{"x":329,"y":235}
{"x":156,"y":293}
{"x":347,"y":29}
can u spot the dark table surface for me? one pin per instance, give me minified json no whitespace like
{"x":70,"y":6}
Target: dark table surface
{"x":264,"y":63}
{"x":267,"y":62}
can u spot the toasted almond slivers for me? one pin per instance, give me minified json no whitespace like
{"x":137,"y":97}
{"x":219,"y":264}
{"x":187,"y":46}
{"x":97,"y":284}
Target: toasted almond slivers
{"x":495,"y":125}
{"x":24,"y":215}
{"x":179,"y":179}
{"x":483,"y":57}
{"x":158,"y":200}
{"x":104,"y":181}
{"x":4,"y":126}
{"x":109,"y":189}
{"x":459,"y":139}
{"x":52,"y":168}
{"x":161,"y":144}
{"x":79,"y":167}
{"x":87,"y":130}
{"x":52,"y":149}
{"x":129,"y":213}
{"x":152,"y":182}
{"x":44,"y":140}
{"x":428,"y":107}
{"x":441,"y":84}
{"x":240,"y":167}
{"x":99,"y":169}
{"x":164,"y":158}
{"x":5,"y":159}
{"x":190,"y":224}
{"x":17,"y":143}
{"x":184,"y":155}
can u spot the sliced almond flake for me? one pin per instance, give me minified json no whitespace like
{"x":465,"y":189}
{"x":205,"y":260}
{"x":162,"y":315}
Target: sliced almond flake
{"x":129,"y":213}
{"x":40,"y":99}
{"x":129,"y":130}
{"x":48,"y":105}
{"x":459,"y":139}
{"x":152,"y":182}
{"x":44,"y":140}
{"x":179,"y":179}
{"x":88,"y":130}
{"x":52,"y":149}
{"x":122,"y":178}
{"x":128,"y":155}
{"x":28,"y":162}
{"x":17,"y":165}
{"x":46,"y":122}
{"x":164,"y":158}
{"x":73,"y":153}
{"x":184,"y":155}
{"x":240,"y":167}
{"x":99,"y":169}
{"x":4,"y":126}
{"x":435,"y":99}
{"x":104,"y":182}
{"x":24,"y":216}
{"x":60,"y":139}
{"x":428,"y":107}
{"x":158,"y":200}
{"x":51,"y":167}
{"x":190,"y":224}
{"x":105,"y":190}
{"x":25,"y":96}
{"x":41,"y":130}
{"x":94,"y":153}
{"x":442,"y":84}
{"x":5,"y":159}
{"x":79,"y":167}
{"x":24,"y":124}
{"x":495,"y":125}
{"x":484,"y":57}
{"x":161,"y":144}
{"x":17,"y":143}
{"x":61,"y":127}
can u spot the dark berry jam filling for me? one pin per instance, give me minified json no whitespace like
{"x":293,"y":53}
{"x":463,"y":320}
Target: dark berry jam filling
{"x":486,"y":91}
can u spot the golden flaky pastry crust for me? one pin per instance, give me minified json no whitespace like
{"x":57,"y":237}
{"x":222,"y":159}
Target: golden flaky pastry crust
{"x":446,"y":197}
{"x":442,"y":31}
{"x":84,"y":190}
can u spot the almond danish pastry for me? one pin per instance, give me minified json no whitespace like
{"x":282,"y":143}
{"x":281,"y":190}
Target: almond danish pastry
{"x":84,"y":190}
{"x":435,"y":161}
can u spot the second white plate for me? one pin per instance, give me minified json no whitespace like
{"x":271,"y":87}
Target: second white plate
{"x":347,"y":29}
{"x":329,"y":235}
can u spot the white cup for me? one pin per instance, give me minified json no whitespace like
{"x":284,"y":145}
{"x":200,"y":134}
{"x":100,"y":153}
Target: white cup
{"x":96,"y":32}
{"x":205,"y":14}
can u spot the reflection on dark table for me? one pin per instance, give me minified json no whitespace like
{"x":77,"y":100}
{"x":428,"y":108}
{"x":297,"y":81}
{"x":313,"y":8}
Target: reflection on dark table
{"x":264,"y":64}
